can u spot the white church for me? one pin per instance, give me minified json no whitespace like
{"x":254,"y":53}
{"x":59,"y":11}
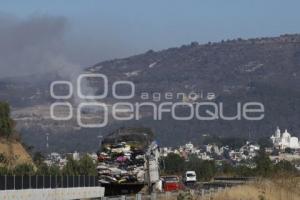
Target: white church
{"x":284,"y":140}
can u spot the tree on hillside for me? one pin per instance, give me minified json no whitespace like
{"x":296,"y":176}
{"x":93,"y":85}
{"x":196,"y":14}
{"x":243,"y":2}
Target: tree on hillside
{"x":38,"y":158}
{"x":6,"y":123}
{"x":3,"y":159}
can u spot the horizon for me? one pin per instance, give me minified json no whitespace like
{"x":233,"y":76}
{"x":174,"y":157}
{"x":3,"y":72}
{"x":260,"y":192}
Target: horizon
{"x":85,"y":33}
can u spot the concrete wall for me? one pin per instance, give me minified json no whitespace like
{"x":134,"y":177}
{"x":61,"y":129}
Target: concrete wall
{"x":52,"y":194}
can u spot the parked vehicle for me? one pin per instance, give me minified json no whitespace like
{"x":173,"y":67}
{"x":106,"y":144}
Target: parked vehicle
{"x":171,"y":183}
{"x":190,"y":177}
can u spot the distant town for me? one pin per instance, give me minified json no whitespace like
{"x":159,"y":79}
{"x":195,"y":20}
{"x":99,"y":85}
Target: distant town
{"x":281,"y":146}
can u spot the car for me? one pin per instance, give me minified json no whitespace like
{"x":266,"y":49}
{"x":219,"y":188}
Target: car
{"x":171,"y":183}
{"x":190,"y":177}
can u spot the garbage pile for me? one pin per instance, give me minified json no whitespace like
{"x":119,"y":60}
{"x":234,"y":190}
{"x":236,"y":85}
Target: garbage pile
{"x":121,"y":163}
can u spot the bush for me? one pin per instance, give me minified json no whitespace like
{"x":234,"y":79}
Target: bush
{"x":5,"y":171}
{"x":87,"y":166}
{"x":284,"y":166}
{"x":264,"y":166}
{"x":24,"y":170}
{"x":54,"y":170}
{"x":173,"y":164}
{"x":71,"y":168}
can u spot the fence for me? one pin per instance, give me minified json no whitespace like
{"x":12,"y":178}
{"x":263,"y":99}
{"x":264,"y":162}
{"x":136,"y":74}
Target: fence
{"x":39,"y":182}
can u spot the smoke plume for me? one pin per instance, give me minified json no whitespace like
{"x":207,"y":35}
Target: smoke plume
{"x":33,"y":45}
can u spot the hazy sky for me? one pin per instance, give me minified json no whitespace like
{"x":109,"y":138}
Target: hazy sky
{"x":89,"y":31}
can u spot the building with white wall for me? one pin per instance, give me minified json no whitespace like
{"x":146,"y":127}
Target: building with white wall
{"x":284,"y":140}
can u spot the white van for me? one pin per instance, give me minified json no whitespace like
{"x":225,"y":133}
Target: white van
{"x":190,"y":177}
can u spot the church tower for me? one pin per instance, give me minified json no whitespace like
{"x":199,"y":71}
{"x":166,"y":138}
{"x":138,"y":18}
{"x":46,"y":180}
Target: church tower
{"x":277,"y":133}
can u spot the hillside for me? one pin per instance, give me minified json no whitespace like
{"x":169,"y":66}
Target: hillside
{"x":13,"y":153}
{"x":265,"y":70}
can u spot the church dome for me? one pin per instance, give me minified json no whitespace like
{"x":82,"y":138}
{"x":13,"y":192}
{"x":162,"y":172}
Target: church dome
{"x":294,"y":143}
{"x":286,"y":134}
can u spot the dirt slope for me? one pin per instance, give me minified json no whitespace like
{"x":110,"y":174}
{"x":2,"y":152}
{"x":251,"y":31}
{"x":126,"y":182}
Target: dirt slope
{"x":14,"y":153}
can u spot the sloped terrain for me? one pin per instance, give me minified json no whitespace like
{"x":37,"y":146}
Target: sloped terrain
{"x":265,"y":70}
{"x":13,"y":153}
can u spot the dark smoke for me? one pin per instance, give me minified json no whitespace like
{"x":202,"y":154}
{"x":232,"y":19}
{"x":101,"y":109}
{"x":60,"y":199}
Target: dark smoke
{"x":32,"y":46}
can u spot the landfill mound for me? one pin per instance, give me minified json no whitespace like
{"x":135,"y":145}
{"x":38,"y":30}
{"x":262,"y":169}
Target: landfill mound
{"x":122,"y":159}
{"x":139,"y":138}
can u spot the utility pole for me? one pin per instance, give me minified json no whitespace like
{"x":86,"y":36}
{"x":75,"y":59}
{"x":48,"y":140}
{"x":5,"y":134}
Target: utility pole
{"x":148,"y":166}
{"x":100,"y":141}
{"x":148,"y":171}
{"x":47,"y":141}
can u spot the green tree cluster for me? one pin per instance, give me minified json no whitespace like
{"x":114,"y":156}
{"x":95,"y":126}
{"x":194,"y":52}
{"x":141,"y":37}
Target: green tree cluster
{"x":232,"y":142}
{"x":264,"y":166}
{"x":172,"y":164}
{"x":19,"y":170}
{"x":175,"y":164}
{"x":206,"y":170}
{"x":6,"y":123}
{"x":85,"y":167}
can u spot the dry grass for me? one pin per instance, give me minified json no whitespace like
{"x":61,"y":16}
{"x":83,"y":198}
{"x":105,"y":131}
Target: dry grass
{"x":287,"y":188}
{"x":14,"y":152}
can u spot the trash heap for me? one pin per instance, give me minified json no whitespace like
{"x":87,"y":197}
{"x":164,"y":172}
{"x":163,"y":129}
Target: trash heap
{"x":121,"y":163}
